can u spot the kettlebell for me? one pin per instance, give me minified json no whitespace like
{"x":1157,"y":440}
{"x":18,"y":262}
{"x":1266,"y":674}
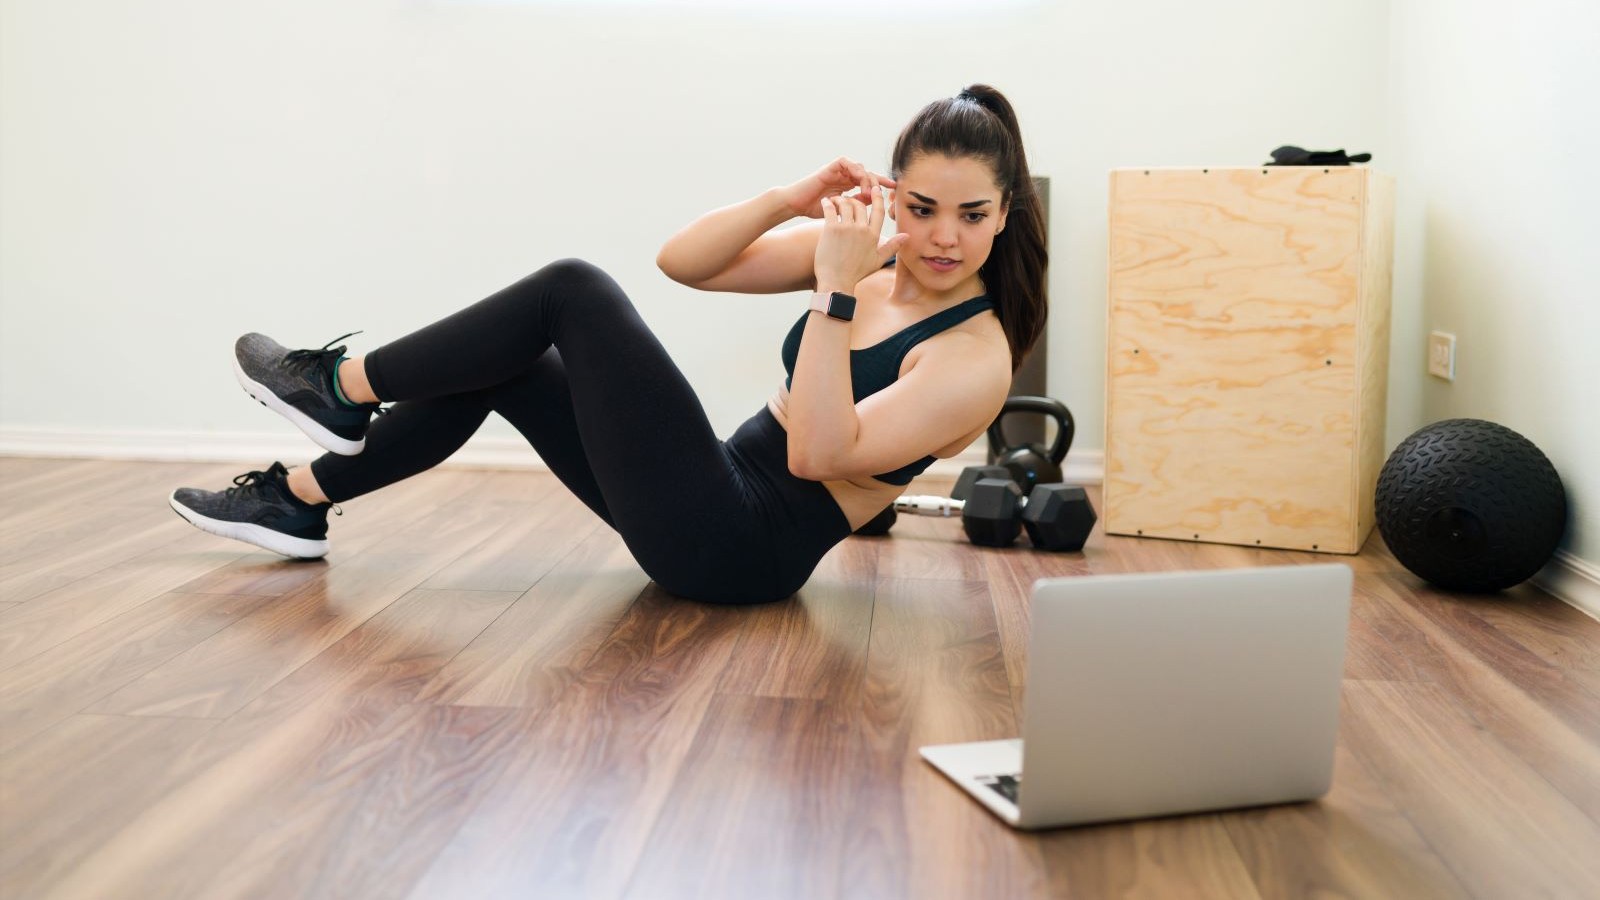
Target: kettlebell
{"x":1032,"y":464}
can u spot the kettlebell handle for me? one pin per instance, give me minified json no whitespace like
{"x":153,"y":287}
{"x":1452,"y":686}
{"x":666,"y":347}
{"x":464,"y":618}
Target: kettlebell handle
{"x":1055,"y":409}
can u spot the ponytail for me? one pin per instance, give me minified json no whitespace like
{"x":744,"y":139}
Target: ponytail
{"x":980,"y":123}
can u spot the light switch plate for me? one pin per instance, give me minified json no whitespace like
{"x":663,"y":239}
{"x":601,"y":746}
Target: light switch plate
{"x":1442,"y":355}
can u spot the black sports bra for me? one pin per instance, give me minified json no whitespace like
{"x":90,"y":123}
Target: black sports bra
{"x":874,"y":368}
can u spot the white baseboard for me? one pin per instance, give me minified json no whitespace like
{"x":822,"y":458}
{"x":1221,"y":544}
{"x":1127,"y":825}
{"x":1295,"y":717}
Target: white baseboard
{"x":1085,"y":467}
{"x":241,"y":447}
{"x":1572,"y":579}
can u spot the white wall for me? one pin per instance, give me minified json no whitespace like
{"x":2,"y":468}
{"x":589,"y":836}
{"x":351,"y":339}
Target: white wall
{"x":1493,"y":120}
{"x":175,"y":173}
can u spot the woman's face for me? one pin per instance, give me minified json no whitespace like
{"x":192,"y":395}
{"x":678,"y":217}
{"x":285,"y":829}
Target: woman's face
{"x":951,"y":208}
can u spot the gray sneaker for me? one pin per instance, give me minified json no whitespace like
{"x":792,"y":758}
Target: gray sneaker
{"x":298,"y":384}
{"x":260,"y":510}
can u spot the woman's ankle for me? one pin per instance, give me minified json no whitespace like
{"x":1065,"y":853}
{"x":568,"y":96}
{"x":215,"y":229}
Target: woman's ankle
{"x":303,"y":484}
{"x":351,"y":380}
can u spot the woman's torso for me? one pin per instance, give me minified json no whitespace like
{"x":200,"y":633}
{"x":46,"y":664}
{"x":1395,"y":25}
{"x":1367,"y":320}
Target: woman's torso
{"x":876,"y":319}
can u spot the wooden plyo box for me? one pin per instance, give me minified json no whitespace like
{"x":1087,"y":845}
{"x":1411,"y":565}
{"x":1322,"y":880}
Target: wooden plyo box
{"x":1248,"y":354}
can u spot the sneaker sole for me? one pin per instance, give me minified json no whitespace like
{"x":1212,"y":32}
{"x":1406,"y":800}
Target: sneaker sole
{"x":265,"y":538}
{"x":325,"y":439}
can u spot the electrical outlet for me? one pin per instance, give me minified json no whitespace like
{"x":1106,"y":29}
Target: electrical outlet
{"x":1442,"y":355}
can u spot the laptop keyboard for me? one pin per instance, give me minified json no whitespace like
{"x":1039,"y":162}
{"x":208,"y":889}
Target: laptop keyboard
{"x":1004,"y":785}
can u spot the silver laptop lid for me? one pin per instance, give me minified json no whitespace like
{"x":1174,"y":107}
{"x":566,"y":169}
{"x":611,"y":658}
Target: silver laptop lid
{"x":1159,"y":693}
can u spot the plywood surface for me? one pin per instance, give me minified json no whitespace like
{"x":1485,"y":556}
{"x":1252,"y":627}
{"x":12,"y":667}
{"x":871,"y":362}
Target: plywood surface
{"x":1235,"y":357}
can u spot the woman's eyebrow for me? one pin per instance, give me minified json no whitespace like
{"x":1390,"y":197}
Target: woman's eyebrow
{"x":932,"y":202}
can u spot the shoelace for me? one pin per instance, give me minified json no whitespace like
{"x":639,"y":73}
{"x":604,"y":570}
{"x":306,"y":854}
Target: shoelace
{"x":325,"y":357}
{"x":251,"y":483}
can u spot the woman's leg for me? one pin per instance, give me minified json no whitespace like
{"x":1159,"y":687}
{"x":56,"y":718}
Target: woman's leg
{"x":417,"y":435}
{"x":659,"y":470}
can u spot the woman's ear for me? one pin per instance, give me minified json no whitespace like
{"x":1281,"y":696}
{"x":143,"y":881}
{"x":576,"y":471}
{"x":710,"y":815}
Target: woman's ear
{"x":888,"y":201}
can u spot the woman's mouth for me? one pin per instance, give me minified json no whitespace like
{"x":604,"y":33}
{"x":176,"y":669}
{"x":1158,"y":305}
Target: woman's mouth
{"x":941,"y":264}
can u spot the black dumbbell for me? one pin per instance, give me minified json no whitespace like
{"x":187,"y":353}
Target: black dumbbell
{"x":1056,"y":516}
{"x":882,"y":522}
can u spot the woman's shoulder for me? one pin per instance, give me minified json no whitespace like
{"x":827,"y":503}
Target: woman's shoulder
{"x":978,"y":339}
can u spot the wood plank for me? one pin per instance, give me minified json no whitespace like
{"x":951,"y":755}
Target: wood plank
{"x":813,"y":645}
{"x":934,"y":675}
{"x":1559,"y":633}
{"x":58,"y":615}
{"x":149,"y":531}
{"x":1011,"y":578}
{"x":220,"y":675}
{"x":1181,"y":856}
{"x":761,"y":807}
{"x":1354,"y":842}
{"x":66,"y":791}
{"x":286,"y":767}
{"x":516,"y":556}
{"x":394,"y":799}
{"x":571,"y":814}
{"x":49,"y":478}
{"x":1531,"y":708}
{"x":42,"y":690}
{"x":528,"y":655}
{"x":1369,"y":656}
{"x":931,"y":548}
{"x":94,"y":523}
{"x":1499,"y":826}
{"x":17,"y":472}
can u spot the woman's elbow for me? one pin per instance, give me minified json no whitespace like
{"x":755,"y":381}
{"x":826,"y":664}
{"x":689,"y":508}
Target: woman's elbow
{"x":668,"y":266}
{"x":802,"y":465}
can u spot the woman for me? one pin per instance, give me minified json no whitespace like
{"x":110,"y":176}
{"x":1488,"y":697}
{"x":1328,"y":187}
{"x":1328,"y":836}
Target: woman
{"x":904,"y":355}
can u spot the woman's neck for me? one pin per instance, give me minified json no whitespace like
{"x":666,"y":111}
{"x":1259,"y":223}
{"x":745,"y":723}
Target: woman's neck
{"x":908,"y":291}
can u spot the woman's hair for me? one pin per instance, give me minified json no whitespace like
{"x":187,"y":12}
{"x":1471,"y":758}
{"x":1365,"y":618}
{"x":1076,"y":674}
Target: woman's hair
{"x":980,"y":124}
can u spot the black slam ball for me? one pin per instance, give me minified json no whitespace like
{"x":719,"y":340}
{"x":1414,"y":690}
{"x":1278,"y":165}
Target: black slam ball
{"x":1470,"y":505}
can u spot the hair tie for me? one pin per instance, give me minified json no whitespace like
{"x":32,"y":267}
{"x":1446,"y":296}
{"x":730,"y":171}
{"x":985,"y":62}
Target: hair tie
{"x":968,"y":95}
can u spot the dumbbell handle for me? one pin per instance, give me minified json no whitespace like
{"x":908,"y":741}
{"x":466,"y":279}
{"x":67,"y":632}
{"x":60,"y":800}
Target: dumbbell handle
{"x":928,"y":505}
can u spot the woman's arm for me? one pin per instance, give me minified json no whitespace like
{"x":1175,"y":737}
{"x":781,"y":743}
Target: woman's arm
{"x":707,"y":246}
{"x":956,"y":387}
{"x":731,"y":249}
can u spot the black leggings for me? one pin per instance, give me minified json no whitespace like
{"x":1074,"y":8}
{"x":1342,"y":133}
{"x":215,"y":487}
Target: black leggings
{"x":563,"y":355}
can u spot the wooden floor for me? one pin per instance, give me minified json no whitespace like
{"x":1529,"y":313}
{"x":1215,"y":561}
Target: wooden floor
{"x":479,"y":694}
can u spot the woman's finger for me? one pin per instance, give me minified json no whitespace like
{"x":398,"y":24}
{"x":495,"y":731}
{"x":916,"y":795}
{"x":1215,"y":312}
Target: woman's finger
{"x":858,"y":211}
{"x":843,"y":205}
{"x":875,"y":220}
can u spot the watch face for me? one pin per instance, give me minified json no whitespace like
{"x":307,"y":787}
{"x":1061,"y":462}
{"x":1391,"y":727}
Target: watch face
{"x":841,"y":306}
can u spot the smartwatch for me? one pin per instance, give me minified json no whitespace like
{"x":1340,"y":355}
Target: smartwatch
{"x":837,"y":304}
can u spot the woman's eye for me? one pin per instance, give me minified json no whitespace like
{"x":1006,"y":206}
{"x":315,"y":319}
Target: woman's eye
{"x":919,"y":210}
{"x":977,"y":217}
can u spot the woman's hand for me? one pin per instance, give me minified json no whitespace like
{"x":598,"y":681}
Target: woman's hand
{"x":804,"y":197}
{"x":849,"y":250}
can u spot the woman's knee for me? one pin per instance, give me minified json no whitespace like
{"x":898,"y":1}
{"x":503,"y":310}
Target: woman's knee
{"x":575,"y":288}
{"x":576,"y":274}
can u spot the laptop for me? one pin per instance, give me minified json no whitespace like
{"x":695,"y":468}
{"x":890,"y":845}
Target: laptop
{"x":1174,"y":692}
